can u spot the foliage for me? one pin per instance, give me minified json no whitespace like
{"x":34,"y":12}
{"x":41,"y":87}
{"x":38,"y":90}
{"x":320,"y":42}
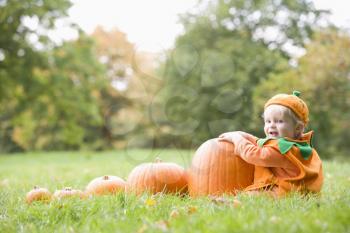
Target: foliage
{"x":24,"y":27}
{"x":225,"y":52}
{"x":125,"y":101}
{"x":99,"y":92}
{"x":82,"y":93}
{"x":65,"y":110}
{"x":161,"y":213}
{"x":55,"y":96}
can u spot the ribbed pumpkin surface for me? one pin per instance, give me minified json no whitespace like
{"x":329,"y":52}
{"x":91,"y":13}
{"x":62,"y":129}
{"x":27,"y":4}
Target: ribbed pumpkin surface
{"x":68,"y":193}
{"x":38,"y":194}
{"x":157,"y":177}
{"x":105,"y":185}
{"x":215,"y":170}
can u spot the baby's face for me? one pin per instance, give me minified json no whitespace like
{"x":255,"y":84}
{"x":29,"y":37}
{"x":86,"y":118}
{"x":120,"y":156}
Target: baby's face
{"x":278,"y":123}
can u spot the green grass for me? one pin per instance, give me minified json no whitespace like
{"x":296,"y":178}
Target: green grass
{"x":128,"y":213}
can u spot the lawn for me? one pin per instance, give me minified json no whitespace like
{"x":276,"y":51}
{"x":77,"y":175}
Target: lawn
{"x":161,"y":213}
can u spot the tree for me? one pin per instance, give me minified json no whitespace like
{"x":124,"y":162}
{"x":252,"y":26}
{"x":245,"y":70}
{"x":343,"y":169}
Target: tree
{"x":125,"y":101}
{"x":227,"y":49}
{"x":84,"y":93}
{"x":20,"y":45}
{"x":49,"y":93}
{"x":65,"y":113}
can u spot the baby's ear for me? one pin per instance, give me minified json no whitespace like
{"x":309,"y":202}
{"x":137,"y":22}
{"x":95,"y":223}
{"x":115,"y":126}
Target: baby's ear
{"x":299,"y":128}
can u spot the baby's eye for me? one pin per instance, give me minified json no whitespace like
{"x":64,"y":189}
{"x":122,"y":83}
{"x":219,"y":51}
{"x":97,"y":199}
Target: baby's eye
{"x":280,"y":121}
{"x":267,"y":121}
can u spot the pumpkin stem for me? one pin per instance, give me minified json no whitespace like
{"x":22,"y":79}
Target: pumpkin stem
{"x":158,"y":160}
{"x":36,"y":187}
{"x":106,"y":177}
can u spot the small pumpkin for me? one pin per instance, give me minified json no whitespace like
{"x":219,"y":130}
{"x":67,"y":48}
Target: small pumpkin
{"x":157,"y":177}
{"x":216,"y":170}
{"x":38,"y":194}
{"x":68,"y":192}
{"x":105,"y":185}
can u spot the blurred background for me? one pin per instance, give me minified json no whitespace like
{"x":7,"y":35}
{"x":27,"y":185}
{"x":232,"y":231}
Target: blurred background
{"x":102,"y":75}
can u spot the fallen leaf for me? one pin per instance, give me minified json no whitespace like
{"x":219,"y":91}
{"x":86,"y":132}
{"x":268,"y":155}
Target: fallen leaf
{"x":191,"y":209}
{"x":150,"y":202}
{"x":174,"y":213}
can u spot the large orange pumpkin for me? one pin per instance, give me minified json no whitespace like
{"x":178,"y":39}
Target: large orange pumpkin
{"x":105,"y":185}
{"x":216,"y":170}
{"x":157,"y":177}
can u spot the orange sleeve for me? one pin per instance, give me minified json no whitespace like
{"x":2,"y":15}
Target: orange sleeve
{"x":266,"y":156}
{"x":250,"y":137}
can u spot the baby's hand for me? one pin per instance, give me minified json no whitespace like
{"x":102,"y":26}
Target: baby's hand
{"x":229,"y":136}
{"x":248,"y":136}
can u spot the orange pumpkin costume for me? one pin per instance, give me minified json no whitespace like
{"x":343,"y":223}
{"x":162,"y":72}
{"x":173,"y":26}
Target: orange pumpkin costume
{"x":283,"y":165}
{"x":281,"y":173}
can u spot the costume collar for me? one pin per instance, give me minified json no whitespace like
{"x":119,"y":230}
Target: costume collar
{"x":285,"y":144}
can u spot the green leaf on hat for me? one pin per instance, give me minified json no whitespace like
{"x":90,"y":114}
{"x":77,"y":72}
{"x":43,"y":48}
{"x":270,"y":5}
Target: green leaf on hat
{"x":296,"y":93}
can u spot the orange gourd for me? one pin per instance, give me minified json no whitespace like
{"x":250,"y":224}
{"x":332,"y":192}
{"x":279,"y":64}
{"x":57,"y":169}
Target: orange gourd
{"x":38,"y":194}
{"x":216,"y":170}
{"x":105,"y":185}
{"x":157,"y":177}
{"x":68,"y":192}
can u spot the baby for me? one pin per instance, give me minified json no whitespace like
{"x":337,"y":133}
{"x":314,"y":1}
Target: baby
{"x":285,"y":160}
